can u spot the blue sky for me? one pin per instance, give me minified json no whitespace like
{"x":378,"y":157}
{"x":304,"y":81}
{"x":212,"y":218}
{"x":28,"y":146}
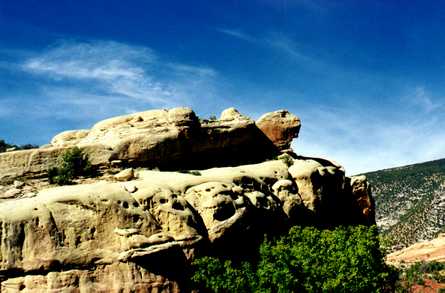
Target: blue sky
{"x":365,"y":77}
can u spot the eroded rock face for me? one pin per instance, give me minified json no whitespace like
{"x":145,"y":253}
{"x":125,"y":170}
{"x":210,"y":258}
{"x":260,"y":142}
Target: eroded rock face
{"x":136,"y":230}
{"x":281,"y":127}
{"x":219,"y":204}
{"x":114,"y":233}
{"x":167,"y":139}
{"x":362,"y":201}
{"x":317,"y":180}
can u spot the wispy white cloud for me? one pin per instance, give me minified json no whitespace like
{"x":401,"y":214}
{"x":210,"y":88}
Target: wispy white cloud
{"x":277,"y":41}
{"x":100,"y":73}
{"x":96,"y":60}
{"x":238,"y":34}
{"x":288,"y":46}
{"x":368,"y":140}
{"x":420,"y":97}
{"x":201,"y":71}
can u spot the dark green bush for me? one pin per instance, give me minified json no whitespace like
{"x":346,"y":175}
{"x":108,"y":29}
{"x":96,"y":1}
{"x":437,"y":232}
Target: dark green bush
{"x":70,"y":165}
{"x":346,"y":259}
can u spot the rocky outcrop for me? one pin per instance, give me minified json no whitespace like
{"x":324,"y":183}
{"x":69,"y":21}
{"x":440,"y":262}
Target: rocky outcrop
{"x":166,"y":139}
{"x":281,"y":127}
{"x":123,"y":230}
{"x":108,"y":229}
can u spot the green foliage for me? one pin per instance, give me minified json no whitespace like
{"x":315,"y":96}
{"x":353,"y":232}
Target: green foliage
{"x":70,"y":165}
{"x":417,"y":273}
{"x":286,"y":158}
{"x":347,"y":259}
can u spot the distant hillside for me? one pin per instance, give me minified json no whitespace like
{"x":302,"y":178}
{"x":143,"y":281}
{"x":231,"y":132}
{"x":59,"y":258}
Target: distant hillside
{"x":410,"y":201}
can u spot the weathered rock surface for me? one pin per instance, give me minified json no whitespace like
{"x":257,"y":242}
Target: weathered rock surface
{"x":124,"y":175}
{"x":103,"y":232}
{"x":167,"y":139}
{"x":281,"y":127}
{"x":138,"y":229}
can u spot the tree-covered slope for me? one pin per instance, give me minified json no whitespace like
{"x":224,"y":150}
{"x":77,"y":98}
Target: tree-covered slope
{"x":410,"y":201}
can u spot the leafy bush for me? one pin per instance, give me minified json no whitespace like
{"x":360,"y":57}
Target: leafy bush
{"x":417,"y":273}
{"x":286,"y":158}
{"x":70,"y":165}
{"x":347,"y":259}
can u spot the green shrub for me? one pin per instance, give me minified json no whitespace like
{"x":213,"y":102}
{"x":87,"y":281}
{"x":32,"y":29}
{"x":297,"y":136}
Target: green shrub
{"x":417,"y":273}
{"x":286,"y":158}
{"x":346,"y":259}
{"x":70,"y":165}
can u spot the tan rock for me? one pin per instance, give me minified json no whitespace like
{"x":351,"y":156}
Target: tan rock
{"x":219,"y":206}
{"x":231,"y":114}
{"x":287,"y":192}
{"x":69,"y":137}
{"x":130,"y":187}
{"x":362,"y":199}
{"x":116,"y":277}
{"x":102,"y":235}
{"x":18,"y":184}
{"x":317,"y":180}
{"x":124,"y":175}
{"x":167,"y":139}
{"x":10,"y":193}
{"x":281,"y":127}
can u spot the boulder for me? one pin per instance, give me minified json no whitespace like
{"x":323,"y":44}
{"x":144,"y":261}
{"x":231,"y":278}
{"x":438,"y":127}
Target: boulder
{"x":317,"y":180}
{"x":281,"y":127}
{"x":124,"y":175}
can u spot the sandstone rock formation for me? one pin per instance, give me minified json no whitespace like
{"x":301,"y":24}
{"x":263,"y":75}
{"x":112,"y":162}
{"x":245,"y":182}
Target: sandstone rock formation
{"x":137,"y":229}
{"x":166,"y":139}
{"x":281,"y":127}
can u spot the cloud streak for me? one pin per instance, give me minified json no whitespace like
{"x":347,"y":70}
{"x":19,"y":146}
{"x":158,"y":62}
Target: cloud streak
{"x":103,"y":69}
{"x":421,"y":98}
{"x":278,"y":42}
{"x":368,"y":140}
{"x":238,"y":34}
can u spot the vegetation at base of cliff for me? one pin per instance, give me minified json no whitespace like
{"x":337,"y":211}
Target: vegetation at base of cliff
{"x":346,"y":259}
{"x":418,"y":273}
{"x":73,"y":163}
{"x":410,"y":202}
{"x":4,"y":146}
